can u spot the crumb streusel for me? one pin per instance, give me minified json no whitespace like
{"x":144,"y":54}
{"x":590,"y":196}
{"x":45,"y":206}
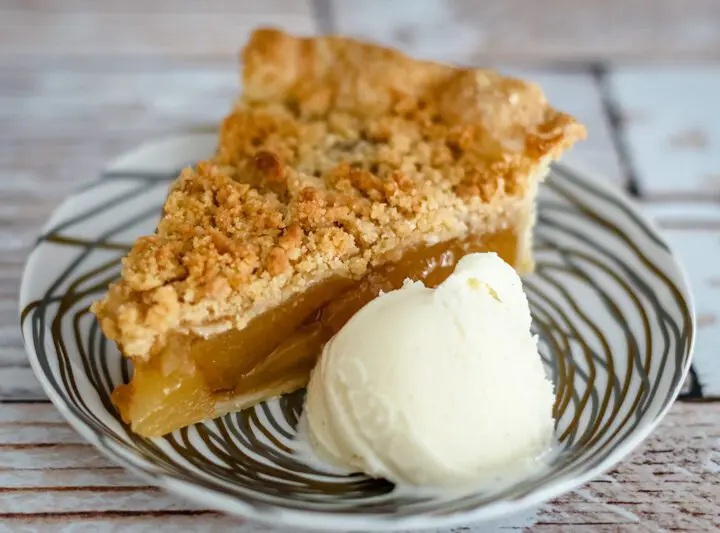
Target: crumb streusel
{"x":339,"y":156}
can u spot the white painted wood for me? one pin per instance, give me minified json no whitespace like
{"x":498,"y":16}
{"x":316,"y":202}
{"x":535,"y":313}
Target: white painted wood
{"x":148,"y":522}
{"x":116,"y":499}
{"x":140,"y":523}
{"x":109,"y":101}
{"x":55,"y":456}
{"x":554,"y":30}
{"x":11,"y":434}
{"x":68,"y":477}
{"x":693,"y":231}
{"x":12,"y":350}
{"x":428,"y":28}
{"x":140,"y":27}
{"x":69,"y":124}
{"x":29,"y":414}
{"x":200,"y":523}
{"x":684,"y":454}
{"x":674,"y":213}
{"x":19,"y":383}
{"x":669,"y":484}
{"x":672,"y":127}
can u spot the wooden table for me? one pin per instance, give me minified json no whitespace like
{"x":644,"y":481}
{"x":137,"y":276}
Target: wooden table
{"x":82,"y":81}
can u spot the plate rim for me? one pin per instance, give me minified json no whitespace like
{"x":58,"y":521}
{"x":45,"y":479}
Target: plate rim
{"x":273,"y":514}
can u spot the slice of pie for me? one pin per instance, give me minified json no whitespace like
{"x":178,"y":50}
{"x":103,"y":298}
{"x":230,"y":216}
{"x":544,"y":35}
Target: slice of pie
{"x":344,"y":169}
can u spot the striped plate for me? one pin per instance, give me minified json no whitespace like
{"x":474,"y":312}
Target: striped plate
{"x":609,"y":302}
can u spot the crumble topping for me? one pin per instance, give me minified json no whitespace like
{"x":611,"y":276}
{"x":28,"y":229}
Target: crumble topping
{"x":339,"y":156}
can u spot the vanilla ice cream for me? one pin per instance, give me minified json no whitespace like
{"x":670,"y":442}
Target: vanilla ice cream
{"x":435,"y":386}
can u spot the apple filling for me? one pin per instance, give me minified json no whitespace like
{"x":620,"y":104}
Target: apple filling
{"x":194,"y":378}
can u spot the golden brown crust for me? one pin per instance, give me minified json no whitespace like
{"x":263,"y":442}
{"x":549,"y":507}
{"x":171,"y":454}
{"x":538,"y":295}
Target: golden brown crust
{"x":340,"y":155}
{"x":318,"y":75}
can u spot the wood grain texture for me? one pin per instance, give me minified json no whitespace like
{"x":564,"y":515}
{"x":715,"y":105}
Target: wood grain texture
{"x":183,"y":29}
{"x":459,"y":30}
{"x":669,"y":482}
{"x":693,"y":231}
{"x":670,"y":117}
{"x":555,"y":31}
{"x":18,"y":383}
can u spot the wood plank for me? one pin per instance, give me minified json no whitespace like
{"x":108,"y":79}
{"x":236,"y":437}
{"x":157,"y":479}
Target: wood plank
{"x":30,"y":414}
{"x":668,"y":484}
{"x":684,"y":453}
{"x":118,"y":522}
{"x":113,"y":102}
{"x":693,"y":232}
{"x":57,"y":456}
{"x":61,"y":478}
{"x":671,"y":127}
{"x":200,"y":521}
{"x":12,"y":350}
{"x":19,"y":383}
{"x":676,"y":214}
{"x":11,"y":434}
{"x":53,"y":167}
{"x":45,"y":28}
{"x":556,"y":30}
{"x":69,"y":124}
{"x":88,"y":500}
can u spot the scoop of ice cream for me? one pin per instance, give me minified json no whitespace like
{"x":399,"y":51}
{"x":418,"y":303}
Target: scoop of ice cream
{"x":434,"y":386}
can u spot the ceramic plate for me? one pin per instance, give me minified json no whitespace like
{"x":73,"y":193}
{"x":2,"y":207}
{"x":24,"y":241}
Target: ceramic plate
{"x":609,"y":303}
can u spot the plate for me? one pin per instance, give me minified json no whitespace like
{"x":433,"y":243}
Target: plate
{"x":609,"y":302}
